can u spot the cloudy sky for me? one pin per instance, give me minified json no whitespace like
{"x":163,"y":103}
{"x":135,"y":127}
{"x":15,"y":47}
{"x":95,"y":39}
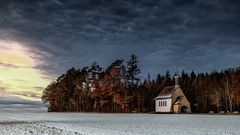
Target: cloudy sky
{"x":41,"y":39}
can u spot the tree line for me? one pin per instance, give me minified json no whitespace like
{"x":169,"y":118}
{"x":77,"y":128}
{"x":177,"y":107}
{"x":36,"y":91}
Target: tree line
{"x":118,"y":88}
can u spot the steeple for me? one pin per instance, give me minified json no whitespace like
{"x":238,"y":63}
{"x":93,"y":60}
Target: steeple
{"x":176,"y":77}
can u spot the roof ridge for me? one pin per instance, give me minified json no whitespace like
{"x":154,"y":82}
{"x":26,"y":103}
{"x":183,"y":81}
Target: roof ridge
{"x":167,"y":91}
{"x":169,"y":86}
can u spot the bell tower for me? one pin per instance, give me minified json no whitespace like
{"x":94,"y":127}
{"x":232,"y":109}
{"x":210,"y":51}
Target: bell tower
{"x":176,"y":77}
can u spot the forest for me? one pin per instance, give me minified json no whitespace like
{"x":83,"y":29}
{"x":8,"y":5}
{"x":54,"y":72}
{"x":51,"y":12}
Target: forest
{"x":118,"y":88}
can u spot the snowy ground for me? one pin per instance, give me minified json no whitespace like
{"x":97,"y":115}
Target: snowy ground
{"x":117,"y":124}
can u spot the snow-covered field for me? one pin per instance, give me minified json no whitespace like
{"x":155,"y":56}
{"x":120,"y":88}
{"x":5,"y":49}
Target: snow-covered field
{"x":117,"y":124}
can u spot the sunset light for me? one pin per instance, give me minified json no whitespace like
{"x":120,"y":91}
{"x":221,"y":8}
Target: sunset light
{"x":117,"y":67}
{"x":18,"y":75}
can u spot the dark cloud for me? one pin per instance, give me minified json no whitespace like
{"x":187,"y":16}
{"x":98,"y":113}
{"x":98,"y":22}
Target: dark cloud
{"x":9,"y":103}
{"x":8,"y":65}
{"x":28,"y":94}
{"x":14,"y":104}
{"x":191,"y":34}
{"x":2,"y":64}
{"x":16,"y":101}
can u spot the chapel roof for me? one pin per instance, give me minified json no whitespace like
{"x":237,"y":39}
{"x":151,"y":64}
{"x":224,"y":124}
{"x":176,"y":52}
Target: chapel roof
{"x":167,"y":92}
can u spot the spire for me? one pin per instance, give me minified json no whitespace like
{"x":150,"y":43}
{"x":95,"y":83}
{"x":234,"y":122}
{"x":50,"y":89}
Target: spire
{"x":176,"y":77}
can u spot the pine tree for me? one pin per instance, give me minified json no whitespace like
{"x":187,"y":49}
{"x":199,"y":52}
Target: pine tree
{"x":133,"y":72}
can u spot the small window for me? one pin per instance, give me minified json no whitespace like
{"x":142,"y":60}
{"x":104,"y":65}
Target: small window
{"x":162,"y":103}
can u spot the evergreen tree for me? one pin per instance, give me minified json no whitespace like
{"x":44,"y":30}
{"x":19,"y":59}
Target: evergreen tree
{"x":117,"y":89}
{"x":159,"y":79}
{"x":133,"y":72}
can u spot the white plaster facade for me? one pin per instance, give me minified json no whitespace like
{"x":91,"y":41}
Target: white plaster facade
{"x":163,"y":105}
